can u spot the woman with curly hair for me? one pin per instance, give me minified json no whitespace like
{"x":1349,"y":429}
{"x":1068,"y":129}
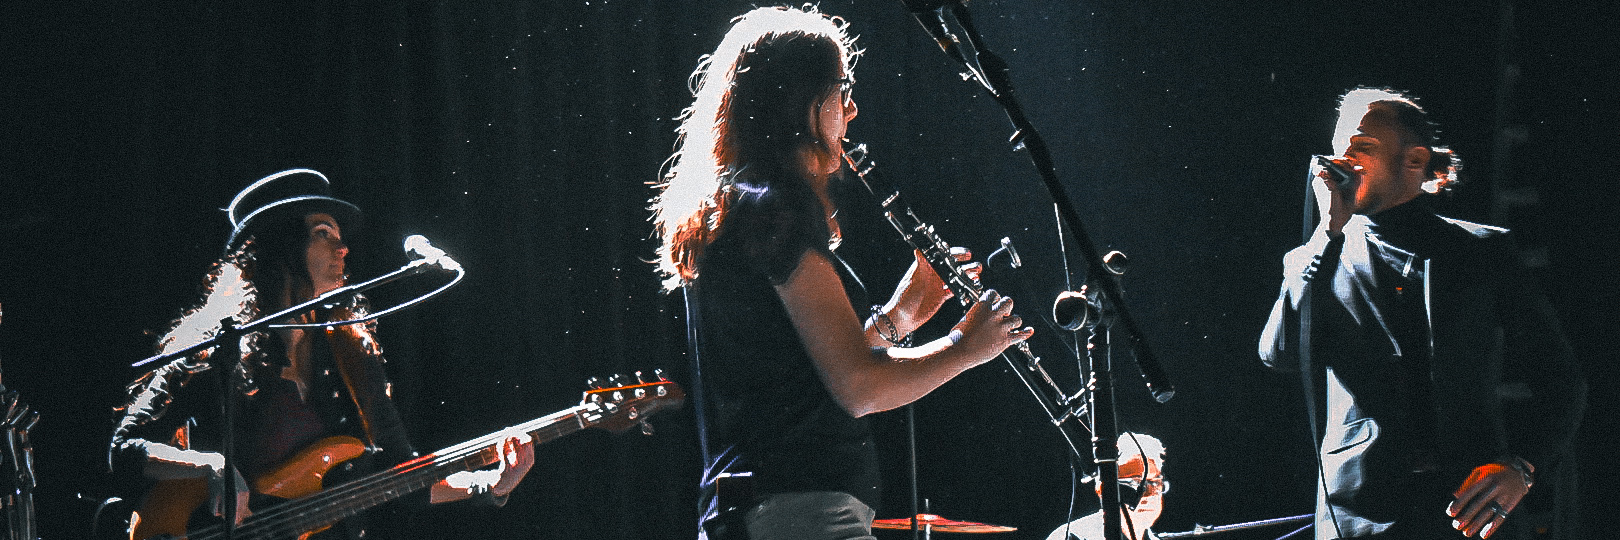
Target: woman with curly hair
{"x":303,"y":384}
{"x":785,"y":367}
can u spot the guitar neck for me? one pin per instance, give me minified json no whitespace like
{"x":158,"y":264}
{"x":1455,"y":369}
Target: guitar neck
{"x":293,"y":518}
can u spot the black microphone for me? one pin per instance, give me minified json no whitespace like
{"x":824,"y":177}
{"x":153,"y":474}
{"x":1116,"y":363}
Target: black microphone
{"x":931,"y":15}
{"x":1340,"y":174}
{"x":417,"y":248}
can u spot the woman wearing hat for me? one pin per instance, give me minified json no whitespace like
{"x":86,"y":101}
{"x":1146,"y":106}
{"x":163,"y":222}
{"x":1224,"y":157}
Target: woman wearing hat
{"x":304,"y":385}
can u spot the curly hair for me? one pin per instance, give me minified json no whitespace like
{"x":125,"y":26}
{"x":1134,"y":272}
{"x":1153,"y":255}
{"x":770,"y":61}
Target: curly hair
{"x":751,"y":109}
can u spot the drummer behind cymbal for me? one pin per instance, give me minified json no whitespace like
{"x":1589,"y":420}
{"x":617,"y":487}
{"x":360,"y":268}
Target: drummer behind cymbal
{"x":1141,"y":493}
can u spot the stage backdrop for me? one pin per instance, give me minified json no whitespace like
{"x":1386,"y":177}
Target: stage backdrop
{"x":522,"y":138}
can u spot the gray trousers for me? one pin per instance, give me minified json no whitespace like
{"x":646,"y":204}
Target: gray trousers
{"x":815,"y":515}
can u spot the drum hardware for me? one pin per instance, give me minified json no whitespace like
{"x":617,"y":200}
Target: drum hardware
{"x":932,"y":523}
{"x":1206,"y":530}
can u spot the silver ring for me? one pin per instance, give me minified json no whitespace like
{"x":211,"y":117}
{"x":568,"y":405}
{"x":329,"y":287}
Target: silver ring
{"x":1497,"y":509}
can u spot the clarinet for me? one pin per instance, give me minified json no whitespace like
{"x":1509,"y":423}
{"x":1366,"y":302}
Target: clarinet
{"x":921,"y":236}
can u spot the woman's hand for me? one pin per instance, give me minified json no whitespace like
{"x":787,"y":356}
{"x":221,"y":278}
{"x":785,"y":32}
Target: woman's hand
{"x":922,"y":292}
{"x":517,"y":455}
{"x":989,"y":327}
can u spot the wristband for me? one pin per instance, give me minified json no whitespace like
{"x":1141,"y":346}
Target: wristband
{"x":1525,"y":469}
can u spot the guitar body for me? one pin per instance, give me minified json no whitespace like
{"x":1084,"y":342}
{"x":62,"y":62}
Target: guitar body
{"x":168,"y":506}
{"x":307,"y":508}
{"x":303,"y":473}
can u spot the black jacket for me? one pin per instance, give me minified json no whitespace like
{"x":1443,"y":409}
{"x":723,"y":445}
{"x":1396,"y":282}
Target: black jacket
{"x":347,"y":397}
{"x":1501,"y":380}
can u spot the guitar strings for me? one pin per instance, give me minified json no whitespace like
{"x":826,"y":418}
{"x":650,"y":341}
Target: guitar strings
{"x":282,"y":519}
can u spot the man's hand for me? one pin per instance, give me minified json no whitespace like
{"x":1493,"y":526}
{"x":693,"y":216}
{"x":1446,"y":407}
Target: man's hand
{"x":1334,"y":201}
{"x":1486,"y":498}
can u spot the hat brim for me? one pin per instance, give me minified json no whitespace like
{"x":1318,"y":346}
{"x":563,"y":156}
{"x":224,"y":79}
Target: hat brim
{"x":347,"y":215}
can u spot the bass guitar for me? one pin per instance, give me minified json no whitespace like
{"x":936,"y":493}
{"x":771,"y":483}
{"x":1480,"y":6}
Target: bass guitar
{"x":309,"y":508}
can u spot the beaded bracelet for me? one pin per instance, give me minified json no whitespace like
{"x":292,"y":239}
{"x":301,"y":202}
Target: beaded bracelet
{"x":892,"y":333}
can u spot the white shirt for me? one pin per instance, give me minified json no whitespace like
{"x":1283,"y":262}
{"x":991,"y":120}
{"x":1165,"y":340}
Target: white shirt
{"x":1089,"y":528}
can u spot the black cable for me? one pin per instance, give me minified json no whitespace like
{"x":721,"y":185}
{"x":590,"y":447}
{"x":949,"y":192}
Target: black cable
{"x":1307,"y":375}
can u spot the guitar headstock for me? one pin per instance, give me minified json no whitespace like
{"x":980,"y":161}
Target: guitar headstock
{"x":627,"y":403}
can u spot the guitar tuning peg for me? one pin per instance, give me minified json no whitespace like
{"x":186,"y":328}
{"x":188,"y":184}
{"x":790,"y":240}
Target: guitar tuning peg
{"x":659,"y":374}
{"x":617,"y":380}
{"x":646,"y":428}
{"x":594,"y":383}
{"x":639,"y":380}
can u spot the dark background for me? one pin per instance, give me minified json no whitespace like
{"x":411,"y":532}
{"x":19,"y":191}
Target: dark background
{"x":522,"y":137}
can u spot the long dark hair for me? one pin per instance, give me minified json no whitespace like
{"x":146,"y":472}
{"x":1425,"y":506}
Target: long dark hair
{"x":750,"y":118}
{"x":257,"y":278}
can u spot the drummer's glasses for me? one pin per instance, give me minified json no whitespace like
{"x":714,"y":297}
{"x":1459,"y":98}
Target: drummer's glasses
{"x":1132,"y":490}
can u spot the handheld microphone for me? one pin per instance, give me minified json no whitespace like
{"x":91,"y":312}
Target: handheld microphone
{"x":1340,"y":174}
{"x":417,"y":248}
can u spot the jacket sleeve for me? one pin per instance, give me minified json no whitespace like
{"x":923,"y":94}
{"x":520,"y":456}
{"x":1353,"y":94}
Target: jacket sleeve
{"x":1279,"y":340}
{"x":145,"y":419}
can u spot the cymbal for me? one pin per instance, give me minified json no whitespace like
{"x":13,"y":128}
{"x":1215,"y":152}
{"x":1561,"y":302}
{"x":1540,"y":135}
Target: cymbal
{"x":939,"y":524}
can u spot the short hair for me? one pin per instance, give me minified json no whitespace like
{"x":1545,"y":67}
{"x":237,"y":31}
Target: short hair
{"x":1140,"y":444}
{"x":1416,"y":126}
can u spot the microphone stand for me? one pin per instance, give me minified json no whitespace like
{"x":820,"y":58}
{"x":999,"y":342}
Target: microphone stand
{"x":1103,"y":285}
{"x":1097,"y":315}
{"x":993,"y":74}
{"x":330,"y":298}
{"x":233,"y":375}
{"x":1104,"y":428}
